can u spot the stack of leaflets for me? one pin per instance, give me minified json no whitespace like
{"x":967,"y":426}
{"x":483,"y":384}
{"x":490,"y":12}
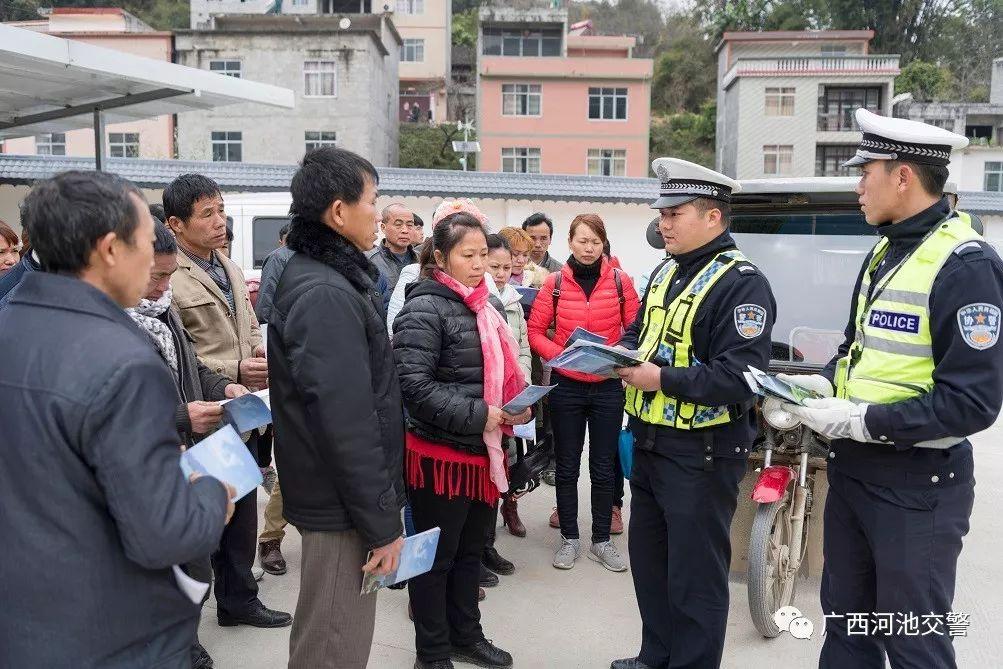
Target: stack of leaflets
{"x":768,"y":385}
{"x":248,"y":412}
{"x":222,"y":455}
{"x":590,"y":357}
{"x":416,"y":558}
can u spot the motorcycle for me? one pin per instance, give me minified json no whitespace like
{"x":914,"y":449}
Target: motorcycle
{"x":792,"y":455}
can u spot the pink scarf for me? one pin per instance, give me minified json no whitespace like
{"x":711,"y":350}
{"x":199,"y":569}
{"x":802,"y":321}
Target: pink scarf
{"x":503,"y":379}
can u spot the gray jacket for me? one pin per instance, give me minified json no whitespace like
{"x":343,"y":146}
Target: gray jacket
{"x":551,"y":264}
{"x":390,"y":265}
{"x":271,"y":272}
{"x":95,"y":509}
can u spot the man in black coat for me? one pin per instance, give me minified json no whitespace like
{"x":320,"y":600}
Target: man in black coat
{"x":339,"y":424}
{"x":95,"y":507}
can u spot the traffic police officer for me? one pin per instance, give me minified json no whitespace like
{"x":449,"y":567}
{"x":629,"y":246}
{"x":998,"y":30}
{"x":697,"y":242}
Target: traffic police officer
{"x":919,"y":371}
{"x":708,"y":313}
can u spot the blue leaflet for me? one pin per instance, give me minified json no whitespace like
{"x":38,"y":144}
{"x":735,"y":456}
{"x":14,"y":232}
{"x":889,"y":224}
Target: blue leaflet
{"x":222,"y":455}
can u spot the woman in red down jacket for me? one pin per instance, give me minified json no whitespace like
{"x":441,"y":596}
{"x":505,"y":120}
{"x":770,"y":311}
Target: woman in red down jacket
{"x":600,"y":298}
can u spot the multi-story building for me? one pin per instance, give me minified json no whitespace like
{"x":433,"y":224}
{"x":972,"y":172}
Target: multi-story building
{"x":786,"y":99}
{"x":980,"y":166}
{"x":116,"y":29}
{"x":343,"y":70}
{"x":424,"y":27}
{"x":550,"y":101}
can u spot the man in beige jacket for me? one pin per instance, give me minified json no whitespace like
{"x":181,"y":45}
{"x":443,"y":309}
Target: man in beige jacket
{"x":215,"y":307}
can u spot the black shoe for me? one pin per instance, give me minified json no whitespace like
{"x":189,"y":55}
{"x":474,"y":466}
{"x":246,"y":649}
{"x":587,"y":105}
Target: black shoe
{"x":436,"y":664}
{"x":628,"y":663}
{"x":496,"y":563}
{"x":483,"y":654}
{"x":201,"y":658}
{"x":256,"y":616}
{"x":488,"y":578}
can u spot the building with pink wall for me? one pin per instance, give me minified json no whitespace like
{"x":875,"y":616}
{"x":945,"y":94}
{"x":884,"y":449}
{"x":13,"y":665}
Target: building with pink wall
{"x":111,"y":28}
{"x":558,"y":102}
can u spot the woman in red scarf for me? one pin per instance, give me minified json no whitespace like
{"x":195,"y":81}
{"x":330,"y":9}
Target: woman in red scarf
{"x":458,"y":365}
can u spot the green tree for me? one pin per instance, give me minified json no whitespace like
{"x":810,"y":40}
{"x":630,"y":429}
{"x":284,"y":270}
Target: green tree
{"x":926,"y":81}
{"x":685,"y":135}
{"x":464,"y":28}
{"x":431,"y":147}
{"x":685,"y":74}
{"x":640,"y":18}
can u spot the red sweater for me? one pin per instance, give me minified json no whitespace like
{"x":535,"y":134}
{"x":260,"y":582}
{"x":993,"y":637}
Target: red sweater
{"x":600,"y":313}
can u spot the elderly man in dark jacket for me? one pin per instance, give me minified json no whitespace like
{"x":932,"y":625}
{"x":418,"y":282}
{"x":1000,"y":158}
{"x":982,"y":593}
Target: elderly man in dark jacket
{"x":199,"y":389}
{"x":95,"y":507}
{"x":339,"y":424}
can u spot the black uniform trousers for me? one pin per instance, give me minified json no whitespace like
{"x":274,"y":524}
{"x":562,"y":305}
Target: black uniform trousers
{"x":444,"y":600}
{"x":680,"y":555}
{"x":890,"y":551}
{"x":234,"y":584}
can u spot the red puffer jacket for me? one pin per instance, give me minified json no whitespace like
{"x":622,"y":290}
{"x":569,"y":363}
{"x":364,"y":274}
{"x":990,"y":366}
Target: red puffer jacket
{"x":601,"y":313}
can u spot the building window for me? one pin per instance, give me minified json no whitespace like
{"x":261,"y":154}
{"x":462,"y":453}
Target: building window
{"x":316,"y":139}
{"x":607,"y":162}
{"x":521,"y":99}
{"x":123,"y":144}
{"x":521,"y":159}
{"x":410,"y":6}
{"x":778,"y":159}
{"x":829,"y":159}
{"x":301,"y":3}
{"x":413,"y":50}
{"x":227,"y":147}
{"x":320,"y":79}
{"x":51,"y":144}
{"x":525,"y":43}
{"x":230,"y":68}
{"x":780,"y":101}
{"x":994,"y":177}
{"x":608,"y":104}
{"x":836,"y":106}
{"x":833,"y":49}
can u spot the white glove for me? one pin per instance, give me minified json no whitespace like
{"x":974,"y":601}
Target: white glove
{"x":833,"y":418}
{"x":814,"y":382}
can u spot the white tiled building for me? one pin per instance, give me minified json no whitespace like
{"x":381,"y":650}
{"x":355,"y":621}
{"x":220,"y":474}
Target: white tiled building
{"x":785,"y":100}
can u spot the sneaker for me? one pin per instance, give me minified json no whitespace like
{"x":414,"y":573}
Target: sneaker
{"x":555,"y":519}
{"x":608,"y":556}
{"x":268,"y":478}
{"x":616,"y":523}
{"x":570,"y":550}
{"x":549,"y":476}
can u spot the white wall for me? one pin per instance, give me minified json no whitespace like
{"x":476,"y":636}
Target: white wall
{"x":968,"y":167}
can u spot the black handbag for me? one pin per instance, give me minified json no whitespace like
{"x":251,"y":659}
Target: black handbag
{"x":530,"y":462}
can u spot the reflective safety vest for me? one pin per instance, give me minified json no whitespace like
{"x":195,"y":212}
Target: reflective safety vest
{"x":891,"y":357}
{"x":667,"y":339}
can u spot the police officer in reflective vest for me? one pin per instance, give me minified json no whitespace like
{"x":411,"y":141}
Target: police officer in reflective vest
{"x":920,"y":370}
{"x":708,"y":313}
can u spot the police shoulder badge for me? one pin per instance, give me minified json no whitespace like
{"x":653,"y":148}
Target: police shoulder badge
{"x":980,"y":325}
{"x":750,"y":320}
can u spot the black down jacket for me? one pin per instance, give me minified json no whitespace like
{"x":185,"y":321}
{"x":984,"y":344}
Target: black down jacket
{"x":336,"y":404}
{"x":441,"y":367}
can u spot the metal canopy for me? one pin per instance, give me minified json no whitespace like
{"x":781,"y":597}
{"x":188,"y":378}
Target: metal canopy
{"x":50,"y":84}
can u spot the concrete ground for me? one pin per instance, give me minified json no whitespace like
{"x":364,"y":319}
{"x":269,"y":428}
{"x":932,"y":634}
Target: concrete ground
{"x":586,"y":617}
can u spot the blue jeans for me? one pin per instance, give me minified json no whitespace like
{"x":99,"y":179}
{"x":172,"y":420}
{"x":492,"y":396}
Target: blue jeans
{"x":575,"y":406}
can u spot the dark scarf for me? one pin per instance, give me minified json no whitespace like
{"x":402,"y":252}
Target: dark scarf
{"x":316,"y":240}
{"x":586,"y":276}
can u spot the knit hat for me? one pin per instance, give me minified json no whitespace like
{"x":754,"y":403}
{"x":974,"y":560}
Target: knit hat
{"x":450,"y":207}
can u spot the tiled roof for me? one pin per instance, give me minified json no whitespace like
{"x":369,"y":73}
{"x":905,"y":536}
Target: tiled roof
{"x":409,"y":182}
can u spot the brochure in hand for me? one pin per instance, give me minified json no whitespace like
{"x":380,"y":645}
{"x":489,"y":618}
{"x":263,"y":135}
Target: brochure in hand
{"x":768,"y":385}
{"x":527,"y":398}
{"x":223,"y":456}
{"x":592,"y":358}
{"x":248,"y":412}
{"x":581,"y":334}
{"x":527,"y":294}
{"x":416,"y":559}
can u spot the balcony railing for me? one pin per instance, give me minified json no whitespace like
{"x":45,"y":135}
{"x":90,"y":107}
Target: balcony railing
{"x":809,"y":66}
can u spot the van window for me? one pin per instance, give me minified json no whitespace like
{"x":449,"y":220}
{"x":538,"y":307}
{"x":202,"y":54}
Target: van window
{"x":265,"y":236}
{"x":843,"y":223}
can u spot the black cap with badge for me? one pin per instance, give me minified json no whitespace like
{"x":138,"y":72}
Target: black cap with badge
{"x":901,"y":139}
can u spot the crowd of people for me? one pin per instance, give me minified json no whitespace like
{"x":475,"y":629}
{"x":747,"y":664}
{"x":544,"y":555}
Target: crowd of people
{"x":123,"y":324}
